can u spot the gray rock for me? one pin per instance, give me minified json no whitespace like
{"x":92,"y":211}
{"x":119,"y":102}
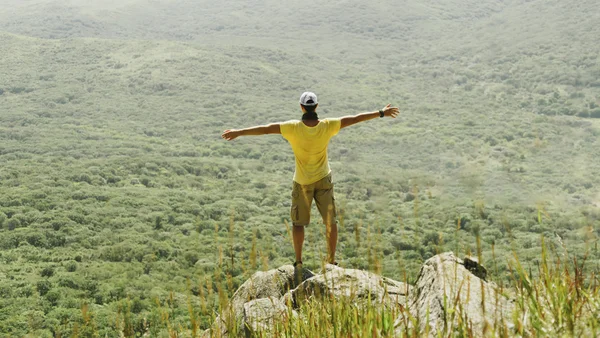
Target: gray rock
{"x":446,"y":290}
{"x":263,"y":284}
{"x":261,"y":315}
{"x":357,"y":285}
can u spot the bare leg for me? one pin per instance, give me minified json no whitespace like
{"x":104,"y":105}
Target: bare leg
{"x":332,"y":234}
{"x":298,"y":239}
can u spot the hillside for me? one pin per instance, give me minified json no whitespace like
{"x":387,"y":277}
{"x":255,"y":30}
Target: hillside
{"x":116,"y":185}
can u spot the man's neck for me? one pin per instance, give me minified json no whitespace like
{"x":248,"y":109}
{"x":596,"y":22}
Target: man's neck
{"x":310,"y":116}
{"x":310,"y":123}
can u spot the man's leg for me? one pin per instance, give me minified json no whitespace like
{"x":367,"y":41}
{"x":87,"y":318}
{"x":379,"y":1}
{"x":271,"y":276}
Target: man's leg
{"x":332,"y":234}
{"x":300,"y":213}
{"x":298,"y":238}
{"x":326,"y":205}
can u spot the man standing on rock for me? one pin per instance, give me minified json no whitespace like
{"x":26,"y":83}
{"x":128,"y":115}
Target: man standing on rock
{"x":312,"y":179}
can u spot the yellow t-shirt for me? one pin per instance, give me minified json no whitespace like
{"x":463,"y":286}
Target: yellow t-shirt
{"x":310,"y":147}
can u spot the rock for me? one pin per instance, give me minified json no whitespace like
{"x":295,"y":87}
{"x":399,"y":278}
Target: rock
{"x":357,"y":285}
{"x":472,"y":264}
{"x":447,"y":290}
{"x":261,"y":315}
{"x":263,"y":284}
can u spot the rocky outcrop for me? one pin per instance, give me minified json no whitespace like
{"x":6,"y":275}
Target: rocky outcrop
{"x":449,"y":294}
{"x":448,"y":290}
{"x":265,"y":297}
{"x":355,"y":285}
{"x":270,"y":285}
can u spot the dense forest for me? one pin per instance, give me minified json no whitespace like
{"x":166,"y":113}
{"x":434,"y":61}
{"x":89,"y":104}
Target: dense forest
{"x":117,"y":194}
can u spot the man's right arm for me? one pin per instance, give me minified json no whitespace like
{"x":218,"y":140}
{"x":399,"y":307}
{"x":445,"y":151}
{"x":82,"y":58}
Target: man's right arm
{"x":273,"y":128}
{"x":353,"y":119}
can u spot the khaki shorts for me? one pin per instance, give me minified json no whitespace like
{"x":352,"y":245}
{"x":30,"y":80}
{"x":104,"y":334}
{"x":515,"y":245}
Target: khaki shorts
{"x":303,"y":195}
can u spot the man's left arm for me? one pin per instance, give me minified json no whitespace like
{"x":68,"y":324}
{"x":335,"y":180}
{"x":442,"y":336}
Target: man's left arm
{"x":353,"y":119}
{"x":273,"y":128}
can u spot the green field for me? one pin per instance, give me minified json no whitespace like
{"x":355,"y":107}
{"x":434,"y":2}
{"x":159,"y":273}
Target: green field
{"x":116,"y":188}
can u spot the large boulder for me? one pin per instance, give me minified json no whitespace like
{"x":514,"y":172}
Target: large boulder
{"x":261,"y":316}
{"x":448,"y":293}
{"x":355,"y":285}
{"x":272,"y":284}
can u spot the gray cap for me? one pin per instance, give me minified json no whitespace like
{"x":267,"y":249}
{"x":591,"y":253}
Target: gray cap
{"x":308,"y":99}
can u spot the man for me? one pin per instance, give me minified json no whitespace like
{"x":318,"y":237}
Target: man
{"x":312,"y":179}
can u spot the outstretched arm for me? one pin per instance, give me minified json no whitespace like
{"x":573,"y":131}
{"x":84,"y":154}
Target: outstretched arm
{"x":231,"y":134}
{"x":353,"y":119}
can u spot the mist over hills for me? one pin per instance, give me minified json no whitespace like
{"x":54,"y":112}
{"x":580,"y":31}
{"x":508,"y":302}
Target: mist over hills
{"x":185,"y":20}
{"x":111,"y":111}
{"x":400,"y":21}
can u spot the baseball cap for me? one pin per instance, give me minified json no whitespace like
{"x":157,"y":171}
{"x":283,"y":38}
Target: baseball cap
{"x":308,"y":99}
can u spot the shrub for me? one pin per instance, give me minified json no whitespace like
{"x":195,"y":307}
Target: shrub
{"x":17,"y":90}
{"x":5,"y":290}
{"x":583,"y":113}
{"x":36,"y":239}
{"x":68,"y":282}
{"x":53,"y":296}
{"x":431,"y":237}
{"x":47,"y":271}
{"x":54,"y":239}
{"x":43,"y":286}
{"x":13,"y":223}
{"x":71,"y":266}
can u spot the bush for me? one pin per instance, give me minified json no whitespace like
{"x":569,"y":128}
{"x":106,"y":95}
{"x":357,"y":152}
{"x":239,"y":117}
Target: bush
{"x":68,"y":282}
{"x":53,"y":296}
{"x":13,"y":223}
{"x":5,"y":290}
{"x":17,"y":90}
{"x":36,"y":239}
{"x":404,"y":244}
{"x":583,"y":113}
{"x":43,"y":286}
{"x":464,"y":220}
{"x":71,"y":266}
{"x":54,"y":239}
{"x":432,"y":237}
{"x":47,"y":271}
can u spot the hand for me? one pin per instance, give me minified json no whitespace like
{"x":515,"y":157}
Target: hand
{"x":391,"y":111}
{"x":230,"y":134}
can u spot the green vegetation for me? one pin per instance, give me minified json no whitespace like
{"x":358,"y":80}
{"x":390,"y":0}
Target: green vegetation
{"x":118,"y":199}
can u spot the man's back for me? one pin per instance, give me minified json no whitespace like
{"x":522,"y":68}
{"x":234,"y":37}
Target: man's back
{"x":310,"y":147}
